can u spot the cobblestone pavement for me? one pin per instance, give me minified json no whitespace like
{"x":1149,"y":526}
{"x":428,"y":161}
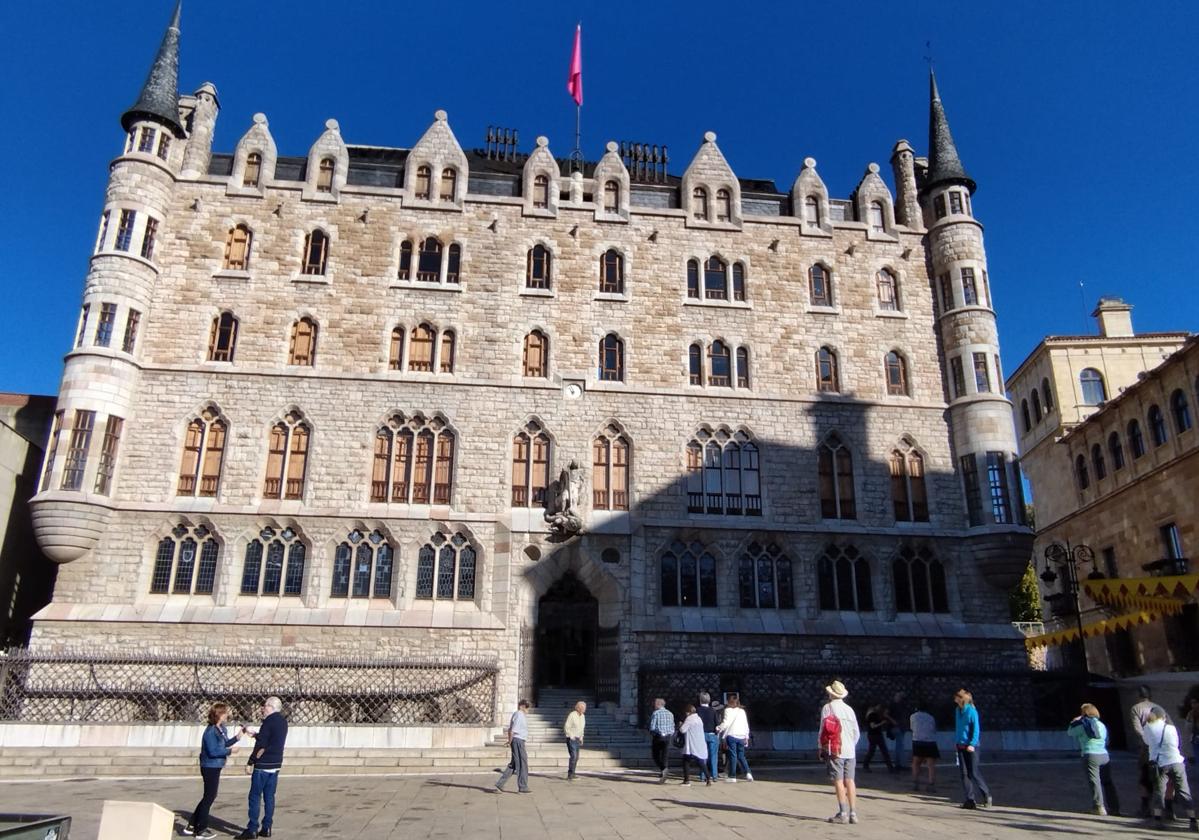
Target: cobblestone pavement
{"x":1032,"y":799}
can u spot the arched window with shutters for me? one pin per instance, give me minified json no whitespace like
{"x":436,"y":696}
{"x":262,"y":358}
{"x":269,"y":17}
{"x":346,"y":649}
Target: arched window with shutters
{"x":611,"y":279}
{"x":446,"y":569}
{"x":843,"y":579}
{"x":811,"y":211}
{"x":539,"y":269}
{"x":919,"y":581}
{"x":185,"y":561}
{"x":739,"y":281}
{"x":395,"y":355}
{"x":302,"y":347}
{"x":724,"y":205}
{"x":203,"y":454}
{"x":420,"y":349}
{"x":719,"y":365}
{"x":1036,"y":406}
{"x":1157,"y":426}
{"x":453,"y":264}
{"x":1081,"y":473}
{"x":695,"y":363}
{"x":287,"y":458}
{"x":699,"y":203}
{"x":1136,"y":441}
{"x":611,"y":197}
{"x":536,"y":355}
{"x":445,"y":358}
{"x":687,"y":575}
{"x":723,"y":473}
{"x":835,"y":469}
{"x":237,"y":248}
{"x":424,"y":183}
{"x":324,"y":175}
{"x":449,"y":183}
{"x":363,"y":566}
{"x":274,"y":563}
{"x":531,"y":451}
{"x":742,"y":367}
{"x":611,"y":359}
{"x":878,"y":218}
{"x":1116,"y":450}
{"x":909,"y":495}
{"x":897,"y":374}
{"x":888,"y":291}
{"x":541,"y":192}
{"x":693,"y":278}
{"x":764,"y":578}
{"x":316,"y":253}
{"x":610,"y":470}
{"x":820,"y":286}
{"x":716,"y":279}
{"x":413,"y":462}
{"x":1098,"y":463}
{"x":428,"y":267}
{"x":1181,"y":411}
{"x":828,"y":378}
{"x":1091,"y":382}
{"x":253,"y":172}
{"x":222,"y":338}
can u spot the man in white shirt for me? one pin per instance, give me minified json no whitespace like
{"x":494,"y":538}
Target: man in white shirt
{"x":842,"y":757}
{"x":576,"y":723}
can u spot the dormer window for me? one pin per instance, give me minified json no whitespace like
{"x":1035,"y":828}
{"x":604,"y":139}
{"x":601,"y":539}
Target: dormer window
{"x":955,"y":201}
{"x":541,"y":192}
{"x":877,"y":218}
{"x":424,"y":183}
{"x":449,"y":183}
{"x":145,"y":142}
{"x":611,"y":197}
{"x":724,"y":206}
{"x":811,"y":211}
{"x":253,"y":173}
{"x":699,"y":203}
{"x":324,"y":175}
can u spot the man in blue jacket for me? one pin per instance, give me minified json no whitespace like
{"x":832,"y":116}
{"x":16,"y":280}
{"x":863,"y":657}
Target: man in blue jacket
{"x":265,"y":761}
{"x":966,"y":738}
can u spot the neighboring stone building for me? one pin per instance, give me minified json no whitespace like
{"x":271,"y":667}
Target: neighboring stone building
{"x":26,"y":577}
{"x":317,"y":407}
{"x":1106,"y":430}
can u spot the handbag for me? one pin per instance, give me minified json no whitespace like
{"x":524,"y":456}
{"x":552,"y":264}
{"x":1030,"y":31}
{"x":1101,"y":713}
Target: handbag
{"x":679,"y":740}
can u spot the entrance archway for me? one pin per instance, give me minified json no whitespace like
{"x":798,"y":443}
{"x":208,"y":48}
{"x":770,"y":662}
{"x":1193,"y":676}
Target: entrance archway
{"x":567,"y":632}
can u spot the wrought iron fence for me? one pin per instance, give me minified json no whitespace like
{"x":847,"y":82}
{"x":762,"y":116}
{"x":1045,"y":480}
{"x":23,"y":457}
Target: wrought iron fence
{"x":86,"y":687}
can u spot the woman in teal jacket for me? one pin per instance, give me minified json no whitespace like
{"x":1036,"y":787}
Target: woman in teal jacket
{"x":1091,"y":735}
{"x":966,"y":738}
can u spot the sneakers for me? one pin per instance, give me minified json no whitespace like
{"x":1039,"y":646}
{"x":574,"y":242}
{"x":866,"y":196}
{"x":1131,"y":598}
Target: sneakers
{"x":209,"y":834}
{"x":988,"y":803}
{"x":188,"y":830}
{"x":1099,"y":811}
{"x":247,"y":835}
{"x":969,"y":805}
{"x":749,"y":777}
{"x":853,"y":817}
{"x":731,"y":780}
{"x":686,"y":784}
{"x":839,"y":818}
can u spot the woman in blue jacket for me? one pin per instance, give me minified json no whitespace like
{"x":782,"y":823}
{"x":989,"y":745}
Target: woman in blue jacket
{"x":215,"y":747}
{"x":966,"y":730}
{"x":1091,"y":735}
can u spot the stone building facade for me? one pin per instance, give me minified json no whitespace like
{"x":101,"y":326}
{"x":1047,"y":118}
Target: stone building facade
{"x":319,"y":404}
{"x":1106,"y":431}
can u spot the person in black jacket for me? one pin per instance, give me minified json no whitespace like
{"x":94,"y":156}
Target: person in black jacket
{"x":710,"y":717}
{"x":265,"y":760}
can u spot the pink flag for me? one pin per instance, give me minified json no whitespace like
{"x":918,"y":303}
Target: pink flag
{"x":574,"y":82}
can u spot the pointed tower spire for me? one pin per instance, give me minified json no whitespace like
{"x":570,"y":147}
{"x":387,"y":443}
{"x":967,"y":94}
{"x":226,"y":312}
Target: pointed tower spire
{"x":159,"y":98}
{"x":944,"y":165}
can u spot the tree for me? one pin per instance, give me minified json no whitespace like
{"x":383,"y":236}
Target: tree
{"x":1025,"y":600}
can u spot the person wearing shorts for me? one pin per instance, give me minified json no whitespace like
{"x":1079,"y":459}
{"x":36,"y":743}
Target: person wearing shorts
{"x":842,"y":763}
{"x":925,"y":751}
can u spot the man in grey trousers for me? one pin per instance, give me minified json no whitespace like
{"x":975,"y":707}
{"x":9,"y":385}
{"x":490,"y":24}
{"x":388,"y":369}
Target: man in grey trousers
{"x":518,"y":733}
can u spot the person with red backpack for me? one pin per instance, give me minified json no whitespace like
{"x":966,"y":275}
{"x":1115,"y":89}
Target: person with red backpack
{"x":838,"y":740}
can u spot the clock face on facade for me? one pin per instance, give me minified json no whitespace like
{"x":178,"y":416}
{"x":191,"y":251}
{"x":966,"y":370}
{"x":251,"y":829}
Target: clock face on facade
{"x":573,"y":391}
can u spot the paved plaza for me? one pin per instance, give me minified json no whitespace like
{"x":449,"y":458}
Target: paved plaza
{"x":1045,"y":798}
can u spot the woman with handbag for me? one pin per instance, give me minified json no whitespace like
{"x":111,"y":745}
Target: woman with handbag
{"x":1091,"y":735}
{"x":734,"y":728}
{"x":690,"y":739}
{"x":215,"y":748}
{"x":1166,"y":764}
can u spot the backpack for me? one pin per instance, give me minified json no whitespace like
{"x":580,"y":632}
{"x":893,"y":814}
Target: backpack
{"x":830,"y":735}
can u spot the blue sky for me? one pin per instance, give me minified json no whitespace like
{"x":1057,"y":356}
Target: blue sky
{"x":1077,"y":120}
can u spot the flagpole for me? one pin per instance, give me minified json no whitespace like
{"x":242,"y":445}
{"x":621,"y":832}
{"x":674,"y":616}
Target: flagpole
{"x":577,"y":156}
{"x":574,"y":86}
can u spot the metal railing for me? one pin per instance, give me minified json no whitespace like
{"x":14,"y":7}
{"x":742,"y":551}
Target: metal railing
{"x":80,"y":686}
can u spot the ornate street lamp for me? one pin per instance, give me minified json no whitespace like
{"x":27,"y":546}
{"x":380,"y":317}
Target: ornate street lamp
{"x":1069,"y":558}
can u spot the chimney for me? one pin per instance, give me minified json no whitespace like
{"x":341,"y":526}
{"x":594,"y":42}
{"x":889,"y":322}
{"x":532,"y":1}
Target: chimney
{"x":1114,"y":317}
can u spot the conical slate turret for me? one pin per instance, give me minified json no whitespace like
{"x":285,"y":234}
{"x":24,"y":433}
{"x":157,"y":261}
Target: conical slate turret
{"x":944,"y":165}
{"x":159,"y":98}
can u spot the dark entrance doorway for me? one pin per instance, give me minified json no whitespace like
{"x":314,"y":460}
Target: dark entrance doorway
{"x":567,"y":630}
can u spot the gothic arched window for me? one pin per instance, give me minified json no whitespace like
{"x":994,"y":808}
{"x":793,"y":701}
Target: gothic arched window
{"x":324,"y":175}
{"x":302,"y":348}
{"x":888,"y":291}
{"x":693,"y":278}
{"x":540,"y":268}
{"x":274,"y":563}
{"x":1136,"y":441}
{"x":287,"y":458}
{"x":1097,"y":462}
{"x":424,"y":183}
{"x":724,"y":205}
{"x":1047,"y":394}
{"x":536,"y":355}
{"x":820,"y":286}
{"x":811,"y":213}
{"x":405,"y":271}
{"x":449,"y":183}
{"x":1036,"y":406}
{"x":611,"y":197}
{"x":610,"y":470}
{"x":420,"y":348}
{"x":203,"y":454}
{"x":908,"y":493}
{"x":531,"y":450}
{"x":695,"y":363}
{"x":764,"y":578}
{"x":253,"y":173}
{"x":414,"y":461}
{"x":446,"y":569}
{"x":541,"y":191}
{"x":919,"y":581}
{"x":363,"y":566}
{"x":185,"y":561}
{"x":897,"y":374}
{"x":611,"y":280}
{"x":428,"y":265}
{"x":716,"y":279}
{"x":827,"y":376}
{"x":611,"y":358}
{"x":688,"y":576}
{"x":316,"y":253}
{"x":222,"y":338}
{"x":237,"y":248}
{"x":719,"y":365}
{"x":1081,"y":472}
{"x":723,"y":474}
{"x":843,"y":578}
{"x":835,"y":470}
{"x":699,"y":203}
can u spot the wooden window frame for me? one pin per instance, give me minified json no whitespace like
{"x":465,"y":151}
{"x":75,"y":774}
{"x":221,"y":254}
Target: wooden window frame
{"x":535,"y":360}
{"x":820,"y":286}
{"x":288,"y":481}
{"x":896,"y":374}
{"x":541,"y":191}
{"x":79,"y":446}
{"x":105,"y":325}
{"x":699,"y":204}
{"x":132,"y":322}
{"x":252,"y":174}
{"x":107,"y":462}
{"x":611,"y":279}
{"x":888,"y":291}
{"x":203,"y":458}
{"x":315,"y":260}
{"x":611,"y":197}
{"x":611,"y":359}
{"x":539,"y":270}
{"x":324,"y":174}
{"x":530,"y":475}
{"x":222,"y":339}
{"x":238,"y":244}
{"x":724,"y":205}
{"x":302,"y":348}
{"x":423,"y":183}
{"x":449,"y":184}
{"x":828,"y":374}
